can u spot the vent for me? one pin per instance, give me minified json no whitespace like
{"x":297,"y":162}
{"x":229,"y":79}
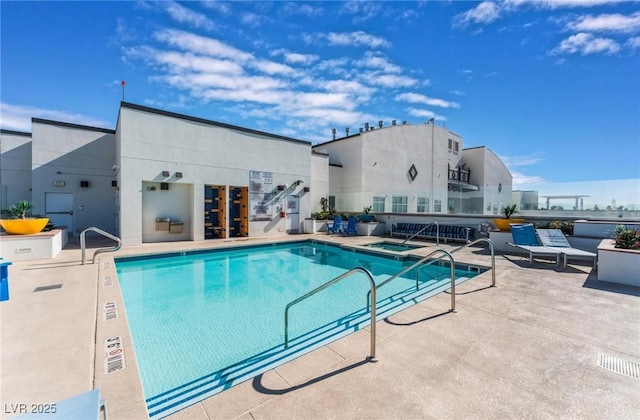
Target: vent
{"x":617,"y":365}
{"x":49,"y":287}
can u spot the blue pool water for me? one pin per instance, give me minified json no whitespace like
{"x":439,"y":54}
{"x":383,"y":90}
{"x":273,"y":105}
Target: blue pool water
{"x":203,"y":321}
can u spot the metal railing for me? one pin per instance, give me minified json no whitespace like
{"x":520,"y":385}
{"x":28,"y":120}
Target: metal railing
{"x":422,"y":230}
{"x":349,"y":273}
{"x":493,"y":258}
{"x":425,"y":260}
{"x":101,"y":250}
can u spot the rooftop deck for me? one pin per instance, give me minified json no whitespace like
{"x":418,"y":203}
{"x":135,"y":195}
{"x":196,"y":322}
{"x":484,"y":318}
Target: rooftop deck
{"x":528,"y":348}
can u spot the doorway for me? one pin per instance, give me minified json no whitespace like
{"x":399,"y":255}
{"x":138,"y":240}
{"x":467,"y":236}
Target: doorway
{"x":58,"y":207}
{"x":292,"y":224}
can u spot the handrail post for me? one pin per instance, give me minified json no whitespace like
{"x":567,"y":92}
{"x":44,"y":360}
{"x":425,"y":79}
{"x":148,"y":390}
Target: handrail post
{"x":453,"y":285}
{"x":82,"y":245}
{"x":372,"y":291}
{"x":103,"y":233}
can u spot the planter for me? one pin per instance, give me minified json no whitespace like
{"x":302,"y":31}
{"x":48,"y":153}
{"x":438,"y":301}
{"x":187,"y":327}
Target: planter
{"x":505,"y":224}
{"x":366,"y":218}
{"x":23,"y":226}
{"x":618,"y":265}
{"x":313,"y":226}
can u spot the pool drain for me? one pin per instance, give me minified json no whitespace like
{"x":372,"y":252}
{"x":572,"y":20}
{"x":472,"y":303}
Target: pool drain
{"x":617,"y":365}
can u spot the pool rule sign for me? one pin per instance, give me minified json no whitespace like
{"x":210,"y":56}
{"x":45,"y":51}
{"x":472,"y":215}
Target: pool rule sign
{"x":114,"y":354}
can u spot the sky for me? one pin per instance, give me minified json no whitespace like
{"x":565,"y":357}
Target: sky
{"x":551,"y":86}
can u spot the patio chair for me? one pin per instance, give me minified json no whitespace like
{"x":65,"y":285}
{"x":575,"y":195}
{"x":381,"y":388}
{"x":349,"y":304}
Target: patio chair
{"x":524,"y":237}
{"x":336,"y":227}
{"x":555,"y":239}
{"x":351,"y":227}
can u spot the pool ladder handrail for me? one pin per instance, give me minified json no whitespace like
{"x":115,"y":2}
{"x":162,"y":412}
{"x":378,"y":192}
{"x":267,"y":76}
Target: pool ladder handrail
{"x":101,"y":250}
{"x":426,"y":261}
{"x":422,"y":230}
{"x":493,"y":257}
{"x":372,"y":292}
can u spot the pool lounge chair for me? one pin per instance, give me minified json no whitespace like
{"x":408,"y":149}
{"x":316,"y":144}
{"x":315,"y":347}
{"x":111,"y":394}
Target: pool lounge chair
{"x":336,"y":227}
{"x":351,"y":227}
{"x":524,"y":237}
{"x":555,"y":239}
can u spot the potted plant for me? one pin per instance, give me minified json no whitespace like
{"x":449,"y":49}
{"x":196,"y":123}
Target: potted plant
{"x":21,"y":223}
{"x":505,"y":223}
{"x":365,"y":217}
{"x":619,"y":259}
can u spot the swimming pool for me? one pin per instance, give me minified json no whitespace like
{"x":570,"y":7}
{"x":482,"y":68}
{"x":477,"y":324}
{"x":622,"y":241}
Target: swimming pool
{"x":395,"y":246}
{"x":202,"y":322}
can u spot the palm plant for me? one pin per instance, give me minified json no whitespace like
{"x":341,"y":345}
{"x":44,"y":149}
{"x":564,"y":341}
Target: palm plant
{"x":509,"y":210}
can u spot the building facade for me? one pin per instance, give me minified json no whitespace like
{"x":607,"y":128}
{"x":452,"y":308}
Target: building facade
{"x":162,"y":176}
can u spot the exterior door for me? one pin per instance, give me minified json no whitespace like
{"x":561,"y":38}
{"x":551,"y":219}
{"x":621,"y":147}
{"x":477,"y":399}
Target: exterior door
{"x":58,"y":208}
{"x":292,"y":224}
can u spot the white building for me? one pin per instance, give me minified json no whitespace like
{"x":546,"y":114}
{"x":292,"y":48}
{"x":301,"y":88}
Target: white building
{"x":162,"y":176}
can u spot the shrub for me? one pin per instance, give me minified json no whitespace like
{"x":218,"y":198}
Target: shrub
{"x":21,"y":209}
{"x":626,"y":238}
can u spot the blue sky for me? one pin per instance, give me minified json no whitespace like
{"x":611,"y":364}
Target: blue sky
{"x":552,"y":87}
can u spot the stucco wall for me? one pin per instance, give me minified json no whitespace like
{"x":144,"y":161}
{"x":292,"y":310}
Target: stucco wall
{"x":70,"y":153}
{"x":205,"y":154}
{"x":493,"y":178}
{"x":15,"y":168}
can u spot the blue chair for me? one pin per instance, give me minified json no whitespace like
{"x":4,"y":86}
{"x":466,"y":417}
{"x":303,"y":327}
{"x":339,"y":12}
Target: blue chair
{"x":351,"y":226}
{"x":524,"y":237}
{"x":337,"y":225}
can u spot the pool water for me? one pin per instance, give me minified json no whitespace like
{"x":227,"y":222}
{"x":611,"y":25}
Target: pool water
{"x":202,"y":322}
{"x":395,"y":246}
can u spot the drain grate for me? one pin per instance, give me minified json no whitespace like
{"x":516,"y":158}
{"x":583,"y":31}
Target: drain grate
{"x":49,"y":287}
{"x":617,"y":365}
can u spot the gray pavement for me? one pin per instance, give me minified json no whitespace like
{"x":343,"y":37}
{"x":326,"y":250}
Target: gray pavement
{"x":527,"y":348}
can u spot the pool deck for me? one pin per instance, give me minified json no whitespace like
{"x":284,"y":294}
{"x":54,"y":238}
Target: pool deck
{"x":528,"y":348}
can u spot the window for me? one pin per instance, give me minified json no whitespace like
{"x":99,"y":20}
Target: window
{"x":423,"y":205}
{"x":378,"y":205}
{"x":332,"y":202}
{"x":450,"y":144}
{"x":399,"y":204}
{"x":456,"y":147}
{"x":437,"y":206}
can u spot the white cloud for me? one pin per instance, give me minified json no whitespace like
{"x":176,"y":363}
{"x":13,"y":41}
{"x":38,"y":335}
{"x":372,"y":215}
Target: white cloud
{"x":219,"y":6}
{"x":522,"y":181}
{"x":606,"y":23}
{"x":484,"y":13}
{"x":417,"y":98}
{"x":522,"y":160}
{"x":377,"y":61}
{"x":388,"y":80}
{"x":633,"y":43}
{"x":181,"y":14}
{"x":584,"y":44}
{"x":17,"y":117}
{"x":423,"y":113}
{"x":253,"y":19}
{"x":355,"y":39}
{"x":294,"y":8}
{"x":201,"y":45}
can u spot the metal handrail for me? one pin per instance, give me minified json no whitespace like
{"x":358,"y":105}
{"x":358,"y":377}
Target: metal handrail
{"x":493,"y":258}
{"x":99,"y":251}
{"x":372,"y":357}
{"x":371,"y":298}
{"x":422,"y":230}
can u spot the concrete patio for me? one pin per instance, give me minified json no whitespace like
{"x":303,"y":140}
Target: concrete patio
{"x":527,"y":348}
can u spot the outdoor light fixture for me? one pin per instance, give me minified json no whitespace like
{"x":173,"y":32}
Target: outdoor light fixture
{"x":380,"y":123}
{"x":164,"y":185}
{"x":306,"y":189}
{"x":84,"y":184}
{"x":178,"y":174}
{"x":281,"y":187}
{"x":114,"y":183}
{"x":165,"y":174}
{"x":298,"y":182}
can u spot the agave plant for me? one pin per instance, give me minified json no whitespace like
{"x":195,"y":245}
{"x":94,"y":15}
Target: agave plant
{"x":21,"y":209}
{"x":509,"y":210}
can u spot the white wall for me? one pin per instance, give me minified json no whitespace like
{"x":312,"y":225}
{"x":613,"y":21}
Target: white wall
{"x":15,"y":167}
{"x":319,"y":182}
{"x":71,"y":153}
{"x":152,"y":141}
{"x":489,"y":173}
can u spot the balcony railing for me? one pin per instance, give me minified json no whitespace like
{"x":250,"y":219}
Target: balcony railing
{"x":460,"y":175}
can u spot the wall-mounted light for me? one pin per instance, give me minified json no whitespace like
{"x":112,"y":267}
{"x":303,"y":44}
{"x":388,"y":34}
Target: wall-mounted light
{"x":298,"y":182}
{"x":59,"y":183}
{"x":282,"y":187}
{"x":114,"y":183}
{"x":306,"y":189}
{"x":152,"y":188}
{"x":164,"y":185}
{"x":84,"y":184}
{"x":178,"y":174}
{"x":165,"y":174}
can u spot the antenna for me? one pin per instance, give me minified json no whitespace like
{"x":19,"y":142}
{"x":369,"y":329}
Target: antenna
{"x":123,"y":83}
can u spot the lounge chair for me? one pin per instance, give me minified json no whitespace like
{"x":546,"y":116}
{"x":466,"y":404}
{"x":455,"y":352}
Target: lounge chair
{"x":555,"y":239}
{"x":351,"y":227}
{"x":336,"y":227}
{"x":524,"y":237}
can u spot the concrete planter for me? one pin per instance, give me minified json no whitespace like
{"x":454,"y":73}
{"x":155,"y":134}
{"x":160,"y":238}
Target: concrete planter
{"x":618,"y":265}
{"x":314,"y":226}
